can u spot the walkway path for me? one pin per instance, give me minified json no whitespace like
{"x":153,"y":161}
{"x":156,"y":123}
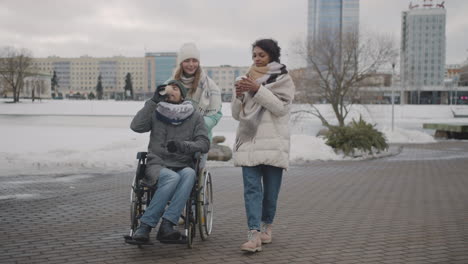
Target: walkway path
{"x":411,"y":208}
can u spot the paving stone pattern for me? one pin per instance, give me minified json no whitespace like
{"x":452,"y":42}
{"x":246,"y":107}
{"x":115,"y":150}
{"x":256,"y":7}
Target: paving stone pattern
{"x":411,"y":208}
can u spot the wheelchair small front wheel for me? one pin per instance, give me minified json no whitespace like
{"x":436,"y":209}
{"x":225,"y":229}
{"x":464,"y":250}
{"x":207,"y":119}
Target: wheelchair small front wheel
{"x":190,"y":235}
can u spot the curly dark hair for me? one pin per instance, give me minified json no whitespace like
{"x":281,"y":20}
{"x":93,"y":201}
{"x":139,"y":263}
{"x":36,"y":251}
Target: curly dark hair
{"x":270,"y":46}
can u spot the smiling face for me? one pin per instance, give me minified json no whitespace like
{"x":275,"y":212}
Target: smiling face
{"x":173,"y":94}
{"x":190,"y":66}
{"x":260,"y":57}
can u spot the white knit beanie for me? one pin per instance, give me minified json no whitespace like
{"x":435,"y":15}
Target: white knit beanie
{"x":187,"y":51}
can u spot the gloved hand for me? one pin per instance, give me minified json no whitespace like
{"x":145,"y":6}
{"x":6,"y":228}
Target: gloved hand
{"x":157,"y":97}
{"x":173,"y":146}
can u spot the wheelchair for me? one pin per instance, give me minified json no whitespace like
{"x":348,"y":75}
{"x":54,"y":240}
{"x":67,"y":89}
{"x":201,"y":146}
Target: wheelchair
{"x":198,"y":212}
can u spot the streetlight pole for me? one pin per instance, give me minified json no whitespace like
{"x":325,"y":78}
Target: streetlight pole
{"x":456,"y":89}
{"x":393,"y":95}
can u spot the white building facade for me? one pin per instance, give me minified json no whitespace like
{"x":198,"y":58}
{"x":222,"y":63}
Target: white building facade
{"x":79,"y":76}
{"x":224,"y":76}
{"x":423,"y":46}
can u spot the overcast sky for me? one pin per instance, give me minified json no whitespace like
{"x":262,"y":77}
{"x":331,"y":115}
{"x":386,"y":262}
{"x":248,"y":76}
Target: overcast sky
{"x":222,"y":29}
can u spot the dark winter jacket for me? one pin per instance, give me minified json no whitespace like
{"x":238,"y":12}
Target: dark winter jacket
{"x":192,"y":133}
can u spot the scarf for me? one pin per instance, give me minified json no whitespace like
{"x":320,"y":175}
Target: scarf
{"x":187,"y":81}
{"x":174,"y":114}
{"x":262,"y":74}
{"x":207,"y":97}
{"x":252,"y":112}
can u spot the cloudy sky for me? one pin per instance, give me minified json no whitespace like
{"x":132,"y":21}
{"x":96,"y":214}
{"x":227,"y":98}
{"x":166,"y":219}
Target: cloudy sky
{"x":222,"y":29}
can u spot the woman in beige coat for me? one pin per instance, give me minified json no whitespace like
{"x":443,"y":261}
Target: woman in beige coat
{"x":261,"y":105}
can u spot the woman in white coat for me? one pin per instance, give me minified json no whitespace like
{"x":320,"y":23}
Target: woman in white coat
{"x":203,"y":92}
{"x":261,"y":105}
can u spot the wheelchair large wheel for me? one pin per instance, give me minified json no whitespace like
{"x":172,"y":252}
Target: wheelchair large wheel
{"x":205,"y":205}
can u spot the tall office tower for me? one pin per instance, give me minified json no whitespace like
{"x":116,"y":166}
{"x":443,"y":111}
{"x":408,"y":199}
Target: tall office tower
{"x":328,"y":22}
{"x":422,"y":65}
{"x":332,"y":16}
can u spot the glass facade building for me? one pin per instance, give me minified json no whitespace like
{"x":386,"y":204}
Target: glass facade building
{"x":160,"y":66}
{"x":108,"y":71}
{"x":332,"y":16}
{"x":63,"y":71}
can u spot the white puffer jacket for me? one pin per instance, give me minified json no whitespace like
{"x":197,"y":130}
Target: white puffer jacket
{"x":271,"y":144}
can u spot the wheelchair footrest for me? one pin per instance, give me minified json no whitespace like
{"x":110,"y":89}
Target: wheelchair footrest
{"x":131,"y":241}
{"x":181,"y":240}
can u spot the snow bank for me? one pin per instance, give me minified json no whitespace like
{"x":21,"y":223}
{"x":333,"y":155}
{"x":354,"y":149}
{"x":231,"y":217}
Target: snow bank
{"x":56,"y":150}
{"x":401,"y":135}
{"x":308,"y":148}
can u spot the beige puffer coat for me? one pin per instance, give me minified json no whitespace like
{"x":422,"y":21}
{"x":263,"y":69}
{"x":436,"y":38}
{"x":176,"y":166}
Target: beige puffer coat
{"x":271,"y":144}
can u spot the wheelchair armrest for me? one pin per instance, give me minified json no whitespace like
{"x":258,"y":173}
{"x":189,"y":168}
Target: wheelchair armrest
{"x":196,"y":155}
{"x":196,"y":161}
{"x":141,"y":155}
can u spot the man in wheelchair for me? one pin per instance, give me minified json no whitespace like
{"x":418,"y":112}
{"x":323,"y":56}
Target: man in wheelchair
{"x":177,"y":132}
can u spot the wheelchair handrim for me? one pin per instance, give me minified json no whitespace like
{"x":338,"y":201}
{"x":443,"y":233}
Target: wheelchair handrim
{"x":208,"y":204}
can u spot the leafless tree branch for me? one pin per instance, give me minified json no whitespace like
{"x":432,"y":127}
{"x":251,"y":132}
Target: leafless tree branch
{"x":338,"y":62}
{"x":15,"y":65}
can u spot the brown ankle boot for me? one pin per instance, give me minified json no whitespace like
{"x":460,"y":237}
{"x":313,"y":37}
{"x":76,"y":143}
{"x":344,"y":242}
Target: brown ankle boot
{"x":254,"y":243}
{"x":266,"y":235}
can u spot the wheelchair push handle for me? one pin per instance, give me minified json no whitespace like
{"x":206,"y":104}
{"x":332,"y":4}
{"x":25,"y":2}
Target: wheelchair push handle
{"x":141,"y":155}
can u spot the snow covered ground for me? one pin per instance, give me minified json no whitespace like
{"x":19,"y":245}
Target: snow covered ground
{"x":57,"y":137}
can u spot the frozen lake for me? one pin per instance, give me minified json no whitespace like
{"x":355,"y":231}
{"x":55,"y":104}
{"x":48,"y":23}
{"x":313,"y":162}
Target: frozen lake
{"x":53,"y":137}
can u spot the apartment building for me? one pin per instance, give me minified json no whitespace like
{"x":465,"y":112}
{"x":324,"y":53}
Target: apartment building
{"x":423,"y":45}
{"x":224,"y":76}
{"x":80,"y":75}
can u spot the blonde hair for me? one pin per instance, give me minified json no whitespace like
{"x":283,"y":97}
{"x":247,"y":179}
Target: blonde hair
{"x":196,"y":80}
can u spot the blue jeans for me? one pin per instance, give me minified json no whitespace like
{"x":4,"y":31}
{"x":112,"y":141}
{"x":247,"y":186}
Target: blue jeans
{"x":172,"y":186}
{"x":260,"y":199}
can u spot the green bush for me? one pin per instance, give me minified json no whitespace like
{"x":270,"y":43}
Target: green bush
{"x":356,"y":136}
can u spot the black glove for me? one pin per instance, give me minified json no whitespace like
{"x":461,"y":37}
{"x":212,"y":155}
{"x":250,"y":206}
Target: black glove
{"x":157,"y":97}
{"x":173,"y":146}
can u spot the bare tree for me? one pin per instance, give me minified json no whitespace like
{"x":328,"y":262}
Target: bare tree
{"x":15,"y":65}
{"x":336,"y":65}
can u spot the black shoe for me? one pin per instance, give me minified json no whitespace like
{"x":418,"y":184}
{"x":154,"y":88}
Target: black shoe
{"x":142,"y":232}
{"x":167,"y":232}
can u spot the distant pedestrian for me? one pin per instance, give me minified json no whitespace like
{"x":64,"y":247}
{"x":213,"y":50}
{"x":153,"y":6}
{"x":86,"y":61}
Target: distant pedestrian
{"x":261,"y":105}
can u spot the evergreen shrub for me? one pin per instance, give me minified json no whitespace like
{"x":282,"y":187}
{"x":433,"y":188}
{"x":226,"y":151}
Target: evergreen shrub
{"x":356,"y":136}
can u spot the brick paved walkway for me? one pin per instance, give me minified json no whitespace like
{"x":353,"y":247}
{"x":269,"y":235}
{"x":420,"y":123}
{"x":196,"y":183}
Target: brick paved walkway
{"x":410,"y":208}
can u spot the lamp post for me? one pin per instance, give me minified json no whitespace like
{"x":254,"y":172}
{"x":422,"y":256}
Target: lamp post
{"x":393,"y":95}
